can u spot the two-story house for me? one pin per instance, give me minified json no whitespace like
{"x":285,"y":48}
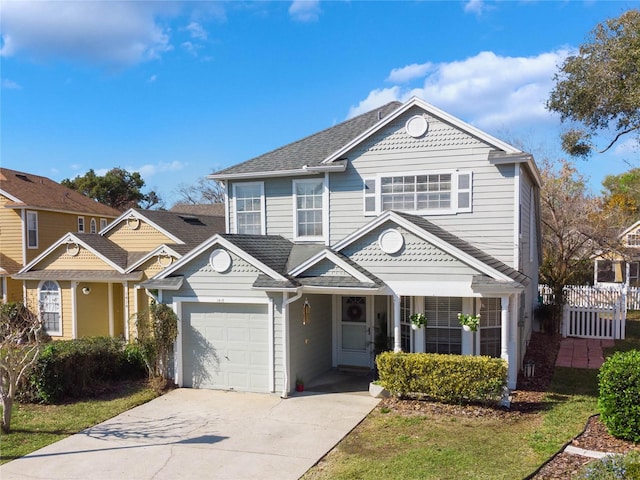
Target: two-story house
{"x":35,"y":211}
{"x":620,"y":267}
{"x":332,"y":242}
{"x":87,"y":284}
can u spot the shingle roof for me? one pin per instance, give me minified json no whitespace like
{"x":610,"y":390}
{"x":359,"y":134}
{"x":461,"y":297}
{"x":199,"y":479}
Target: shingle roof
{"x":79,"y":275}
{"x":466,"y":247}
{"x":41,"y":192}
{"x":312,"y":150}
{"x":212,"y":209}
{"x":191,"y":229}
{"x":271,"y":250}
{"x":106,"y":247}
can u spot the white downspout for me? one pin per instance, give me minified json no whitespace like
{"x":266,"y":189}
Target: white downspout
{"x":397,"y":336}
{"x":285,"y":337}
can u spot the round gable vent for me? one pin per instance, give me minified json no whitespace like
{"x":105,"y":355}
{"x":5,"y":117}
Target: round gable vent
{"x":391,"y":241}
{"x":416,"y":126}
{"x":220,"y":260}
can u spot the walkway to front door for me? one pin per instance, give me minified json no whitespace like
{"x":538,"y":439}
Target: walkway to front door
{"x":582,"y":352}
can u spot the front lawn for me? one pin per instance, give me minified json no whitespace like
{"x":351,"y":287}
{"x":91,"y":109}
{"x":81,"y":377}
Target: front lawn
{"x":34,"y":426}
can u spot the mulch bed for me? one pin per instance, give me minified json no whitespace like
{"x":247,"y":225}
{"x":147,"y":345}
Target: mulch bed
{"x":542,"y":349}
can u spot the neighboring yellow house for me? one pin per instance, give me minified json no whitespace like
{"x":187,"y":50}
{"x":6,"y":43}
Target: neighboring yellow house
{"x":88,"y":284}
{"x":35,"y":211}
{"x":622,"y":266}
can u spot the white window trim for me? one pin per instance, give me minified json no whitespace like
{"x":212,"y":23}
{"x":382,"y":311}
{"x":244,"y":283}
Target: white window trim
{"x":103,"y":223}
{"x":455,"y":190}
{"x":325,"y":209}
{"x":80,"y":221}
{"x":35,"y":215}
{"x":93,"y":226}
{"x":59,"y":331}
{"x":263,"y":226}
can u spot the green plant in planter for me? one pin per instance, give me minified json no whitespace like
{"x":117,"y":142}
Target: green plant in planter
{"x":418,"y":320}
{"x":469,"y":322}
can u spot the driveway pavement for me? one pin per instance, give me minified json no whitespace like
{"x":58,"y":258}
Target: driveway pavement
{"x":193,"y":434}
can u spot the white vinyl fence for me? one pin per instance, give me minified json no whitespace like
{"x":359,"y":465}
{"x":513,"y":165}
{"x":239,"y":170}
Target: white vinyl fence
{"x":594,"y":312}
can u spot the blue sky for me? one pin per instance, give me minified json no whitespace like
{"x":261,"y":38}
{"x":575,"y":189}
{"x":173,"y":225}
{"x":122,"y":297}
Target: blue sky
{"x":177,"y":90}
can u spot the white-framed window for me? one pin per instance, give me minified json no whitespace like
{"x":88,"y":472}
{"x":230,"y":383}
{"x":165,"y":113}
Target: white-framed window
{"x":93,"y":227}
{"x":490,"y":329}
{"x":32,"y":229}
{"x":81,"y":224}
{"x":633,"y":239}
{"x":438,"y":192}
{"x":443,"y":333}
{"x":103,"y":223}
{"x":249,"y":207}
{"x":309,"y":208}
{"x":49,"y":301}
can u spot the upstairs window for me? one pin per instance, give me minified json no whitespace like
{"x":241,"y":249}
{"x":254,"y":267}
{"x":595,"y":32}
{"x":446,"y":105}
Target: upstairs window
{"x":103,"y":223}
{"x":81,"y":224}
{"x":308,"y":198}
{"x":249,"y":208}
{"x":425,"y":193}
{"x":93,"y":228}
{"x":633,"y":239}
{"x":32,"y":229}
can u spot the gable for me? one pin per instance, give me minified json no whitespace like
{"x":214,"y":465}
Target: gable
{"x":631,"y":236}
{"x":415,"y":259}
{"x":71,"y":257}
{"x":325,"y":268}
{"x":137,"y":236}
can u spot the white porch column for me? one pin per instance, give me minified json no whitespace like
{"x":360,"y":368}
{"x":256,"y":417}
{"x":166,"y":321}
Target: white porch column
{"x":504,"y":324}
{"x":74,"y":310}
{"x":397,"y":341}
{"x":125,"y":289}
{"x":110,"y":297}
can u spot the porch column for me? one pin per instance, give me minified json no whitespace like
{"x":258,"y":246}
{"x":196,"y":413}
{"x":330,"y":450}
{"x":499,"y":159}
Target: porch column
{"x":74,"y":310}
{"x":397,"y":341}
{"x":504,"y":324}
{"x":110,"y":297}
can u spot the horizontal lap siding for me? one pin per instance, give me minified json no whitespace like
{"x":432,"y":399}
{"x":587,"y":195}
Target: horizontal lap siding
{"x":279,"y":206}
{"x":142,"y":239}
{"x":51,"y":227}
{"x":59,"y":259}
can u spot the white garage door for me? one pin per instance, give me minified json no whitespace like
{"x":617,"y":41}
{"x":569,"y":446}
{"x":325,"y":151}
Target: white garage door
{"x":225,"y":346}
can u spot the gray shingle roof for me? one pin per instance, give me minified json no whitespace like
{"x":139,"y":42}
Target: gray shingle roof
{"x":191,"y":229}
{"x":271,"y":250}
{"x":105,"y":247}
{"x":466,"y":247}
{"x":79,"y":275}
{"x":312,"y":150}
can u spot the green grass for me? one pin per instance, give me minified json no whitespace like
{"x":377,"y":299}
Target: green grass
{"x":35,"y":426}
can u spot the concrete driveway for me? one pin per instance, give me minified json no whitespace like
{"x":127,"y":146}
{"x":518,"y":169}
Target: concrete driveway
{"x":192,"y":434}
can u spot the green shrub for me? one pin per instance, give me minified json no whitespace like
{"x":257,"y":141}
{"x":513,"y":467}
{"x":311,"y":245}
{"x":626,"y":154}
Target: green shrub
{"x":612,"y":467}
{"x":619,"y":391}
{"x":446,"y":378}
{"x":75,"y":368}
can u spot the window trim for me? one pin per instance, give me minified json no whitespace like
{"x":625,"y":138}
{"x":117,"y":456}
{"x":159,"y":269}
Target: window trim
{"x":263,"y":227}
{"x":456,"y":176}
{"x":80,"y":224}
{"x":59,"y":312}
{"x":93,"y":226}
{"x":103,"y":223}
{"x":325,"y":208}
{"x":32,"y":214}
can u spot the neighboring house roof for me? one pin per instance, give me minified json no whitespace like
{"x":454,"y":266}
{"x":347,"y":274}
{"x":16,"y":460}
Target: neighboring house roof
{"x":33,"y":191}
{"x":310,"y":151}
{"x":211,"y":209}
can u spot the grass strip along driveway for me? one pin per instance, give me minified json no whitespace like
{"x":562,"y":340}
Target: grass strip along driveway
{"x":34,"y":426}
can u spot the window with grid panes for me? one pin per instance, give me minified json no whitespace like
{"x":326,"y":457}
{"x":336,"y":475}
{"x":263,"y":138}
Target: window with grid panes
{"x":490,"y":326}
{"x":405,"y":324}
{"x":443,"y":331}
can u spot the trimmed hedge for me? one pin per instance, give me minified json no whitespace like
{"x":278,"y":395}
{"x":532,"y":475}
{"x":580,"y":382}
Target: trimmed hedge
{"x":445,"y":378}
{"x":75,"y":368}
{"x":619,"y":395}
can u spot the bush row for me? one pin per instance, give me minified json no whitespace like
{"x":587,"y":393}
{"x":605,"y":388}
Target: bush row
{"x":77,"y":368}
{"x":619,"y":395}
{"x":445,"y":378}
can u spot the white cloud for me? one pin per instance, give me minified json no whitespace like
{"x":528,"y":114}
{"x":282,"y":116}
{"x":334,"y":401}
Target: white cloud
{"x":152,"y":78}
{"x":10,"y":84}
{"x":150,"y":169}
{"x":475,"y":6}
{"x":408,"y":73}
{"x":197,"y":31}
{"x":117,"y":34}
{"x":487,"y":90}
{"x":305,"y":10}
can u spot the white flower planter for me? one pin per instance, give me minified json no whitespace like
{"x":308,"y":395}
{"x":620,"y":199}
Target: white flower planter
{"x":466,"y":328}
{"x":378,"y":391}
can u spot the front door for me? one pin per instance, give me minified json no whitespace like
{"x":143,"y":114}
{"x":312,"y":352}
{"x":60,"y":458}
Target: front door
{"x":354,"y":330}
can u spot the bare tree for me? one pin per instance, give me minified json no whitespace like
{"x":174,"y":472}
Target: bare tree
{"x":20,"y":343}
{"x":205,"y":191}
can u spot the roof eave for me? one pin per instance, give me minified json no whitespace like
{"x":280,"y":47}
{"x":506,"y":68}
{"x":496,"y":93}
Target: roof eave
{"x":305,"y":170}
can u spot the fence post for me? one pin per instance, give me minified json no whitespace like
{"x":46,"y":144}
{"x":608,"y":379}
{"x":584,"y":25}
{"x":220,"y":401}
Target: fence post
{"x":565,"y":320}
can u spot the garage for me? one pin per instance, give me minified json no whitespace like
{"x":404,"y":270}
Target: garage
{"x":226,"y":346}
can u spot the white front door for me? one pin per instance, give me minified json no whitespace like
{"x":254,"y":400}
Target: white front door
{"x":354,"y":330}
